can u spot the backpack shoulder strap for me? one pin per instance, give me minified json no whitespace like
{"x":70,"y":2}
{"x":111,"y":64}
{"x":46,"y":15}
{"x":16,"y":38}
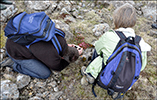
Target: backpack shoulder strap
{"x":60,"y":32}
{"x":55,"y":40}
{"x":121,"y":35}
{"x":137,"y":39}
{"x":56,"y":44}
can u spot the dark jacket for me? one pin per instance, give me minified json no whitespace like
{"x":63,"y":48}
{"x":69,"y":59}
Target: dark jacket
{"x":43,"y":51}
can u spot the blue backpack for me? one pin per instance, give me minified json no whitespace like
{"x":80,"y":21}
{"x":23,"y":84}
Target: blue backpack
{"x":26,"y":29}
{"x":122,"y":68}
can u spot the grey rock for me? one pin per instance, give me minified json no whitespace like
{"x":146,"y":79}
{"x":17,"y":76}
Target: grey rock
{"x":68,"y":8}
{"x":46,"y":93}
{"x":75,"y":12}
{"x":84,"y":81}
{"x":9,"y":77}
{"x":139,"y":12}
{"x":86,"y":56}
{"x":117,"y":4}
{"x":64,"y":11}
{"x":55,"y":95}
{"x":149,"y":11}
{"x":100,"y":29}
{"x":31,"y":85}
{"x":56,"y":89}
{"x":38,"y":5}
{"x":69,"y":19}
{"x":9,"y":90}
{"x":53,"y":84}
{"x":2,"y":53}
{"x":40,"y":84}
{"x":97,"y":34}
{"x":153,"y":33}
{"x":8,"y":13}
{"x":60,"y":5}
{"x":22,"y":80}
{"x":9,"y":70}
{"x":65,"y":27}
{"x":35,"y":98}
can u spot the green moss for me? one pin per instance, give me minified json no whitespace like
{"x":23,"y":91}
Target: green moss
{"x":91,"y":15}
{"x":64,"y":87}
{"x":2,"y":39}
{"x":82,"y":26}
{"x":85,"y":26}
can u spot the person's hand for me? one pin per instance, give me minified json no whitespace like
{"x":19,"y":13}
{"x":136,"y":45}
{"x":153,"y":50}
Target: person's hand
{"x":71,"y":45}
{"x":80,"y":50}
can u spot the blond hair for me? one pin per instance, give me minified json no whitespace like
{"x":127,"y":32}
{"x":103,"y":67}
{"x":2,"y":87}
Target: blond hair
{"x":124,"y":16}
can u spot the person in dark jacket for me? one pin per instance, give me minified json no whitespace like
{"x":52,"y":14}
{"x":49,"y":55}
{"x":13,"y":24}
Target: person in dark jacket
{"x":41,"y":57}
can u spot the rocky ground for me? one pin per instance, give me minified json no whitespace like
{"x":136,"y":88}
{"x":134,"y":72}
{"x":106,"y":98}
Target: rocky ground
{"x":83,"y":22}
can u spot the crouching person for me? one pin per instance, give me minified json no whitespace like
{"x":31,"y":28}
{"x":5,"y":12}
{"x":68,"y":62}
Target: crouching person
{"x":124,"y":21}
{"x":41,"y":57}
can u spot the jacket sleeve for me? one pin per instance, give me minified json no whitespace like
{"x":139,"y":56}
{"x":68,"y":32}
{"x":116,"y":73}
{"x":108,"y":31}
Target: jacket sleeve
{"x":95,"y":67}
{"x":63,"y":64}
{"x":144,"y":60}
{"x":144,"y":48}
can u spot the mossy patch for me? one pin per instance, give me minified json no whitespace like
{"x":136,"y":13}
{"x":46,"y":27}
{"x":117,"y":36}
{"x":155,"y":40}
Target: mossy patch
{"x":85,"y":27}
{"x":82,"y":26}
{"x":2,"y":39}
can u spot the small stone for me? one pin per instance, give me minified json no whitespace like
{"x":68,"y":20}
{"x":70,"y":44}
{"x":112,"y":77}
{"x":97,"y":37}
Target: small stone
{"x":30,"y":94}
{"x":55,"y":95}
{"x":9,"y":77}
{"x":84,"y":81}
{"x":56,"y":89}
{"x":40,"y":84}
{"x":53,"y":84}
{"x":35,"y":98}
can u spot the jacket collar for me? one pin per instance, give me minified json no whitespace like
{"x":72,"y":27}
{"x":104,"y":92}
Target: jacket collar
{"x":127,"y":31}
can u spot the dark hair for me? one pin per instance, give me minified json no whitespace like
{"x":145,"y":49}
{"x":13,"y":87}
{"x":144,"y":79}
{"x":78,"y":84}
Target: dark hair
{"x":124,"y":16}
{"x":71,"y":55}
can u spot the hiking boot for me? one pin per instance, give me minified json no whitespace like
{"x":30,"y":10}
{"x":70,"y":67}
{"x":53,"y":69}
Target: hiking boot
{"x":84,"y":81}
{"x":83,"y":70}
{"x":7,"y":63}
{"x":89,"y":78}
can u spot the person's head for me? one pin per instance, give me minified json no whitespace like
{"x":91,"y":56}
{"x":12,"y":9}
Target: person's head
{"x":71,"y":55}
{"x":124,"y":16}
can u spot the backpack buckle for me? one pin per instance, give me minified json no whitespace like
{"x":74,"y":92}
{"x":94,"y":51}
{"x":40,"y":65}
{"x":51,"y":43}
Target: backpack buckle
{"x":117,"y":95}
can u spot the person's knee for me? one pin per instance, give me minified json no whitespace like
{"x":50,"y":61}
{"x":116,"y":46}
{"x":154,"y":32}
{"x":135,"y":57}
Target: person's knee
{"x":45,"y":75}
